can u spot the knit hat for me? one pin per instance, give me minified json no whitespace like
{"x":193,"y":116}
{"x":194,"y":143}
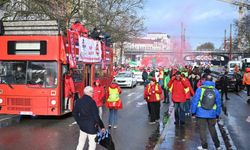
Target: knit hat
{"x":153,"y":79}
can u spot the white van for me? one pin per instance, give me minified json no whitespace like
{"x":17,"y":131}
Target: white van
{"x":231,"y":64}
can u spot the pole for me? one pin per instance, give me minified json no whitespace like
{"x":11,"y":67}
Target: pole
{"x":225,"y":40}
{"x":230,"y":49}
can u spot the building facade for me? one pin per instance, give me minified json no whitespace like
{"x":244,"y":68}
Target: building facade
{"x":137,"y":48}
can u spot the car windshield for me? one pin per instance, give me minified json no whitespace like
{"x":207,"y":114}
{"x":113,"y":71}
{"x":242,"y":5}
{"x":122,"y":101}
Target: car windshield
{"x":38,"y":74}
{"x":124,"y":75}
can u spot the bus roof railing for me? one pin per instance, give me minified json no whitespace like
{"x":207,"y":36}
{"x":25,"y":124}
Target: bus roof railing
{"x":45,"y":27}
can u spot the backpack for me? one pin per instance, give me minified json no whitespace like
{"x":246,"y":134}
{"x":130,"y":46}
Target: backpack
{"x":208,"y":98}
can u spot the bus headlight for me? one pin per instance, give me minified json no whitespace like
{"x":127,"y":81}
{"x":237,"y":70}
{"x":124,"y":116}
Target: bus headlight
{"x":53,"y":102}
{"x":1,"y":101}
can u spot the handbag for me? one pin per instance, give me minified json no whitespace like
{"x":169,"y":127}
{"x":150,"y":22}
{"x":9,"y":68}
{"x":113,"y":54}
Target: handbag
{"x":104,"y":139}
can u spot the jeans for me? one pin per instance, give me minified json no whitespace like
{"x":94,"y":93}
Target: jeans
{"x":179,"y":112}
{"x":224,"y":91}
{"x":100,"y":111}
{"x":203,"y":123}
{"x":160,"y":82}
{"x":166,"y":95}
{"x":113,"y":117}
{"x":82,"y":139}
{"x":187,"y":106}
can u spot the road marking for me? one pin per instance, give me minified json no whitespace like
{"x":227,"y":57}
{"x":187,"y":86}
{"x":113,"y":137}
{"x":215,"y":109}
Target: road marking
{"x":139,"y":104}
{"x":248,"y":119}
{"x":131,"y":94}
{"x":72,"y":124}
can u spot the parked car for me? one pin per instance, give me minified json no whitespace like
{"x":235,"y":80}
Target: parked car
{"x":138,"y":75}
{"x":125,"y":79}
{"x":235,"y":82}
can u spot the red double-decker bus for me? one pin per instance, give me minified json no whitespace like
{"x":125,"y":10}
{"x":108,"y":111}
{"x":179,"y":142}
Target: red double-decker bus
{"x":34,"y":60}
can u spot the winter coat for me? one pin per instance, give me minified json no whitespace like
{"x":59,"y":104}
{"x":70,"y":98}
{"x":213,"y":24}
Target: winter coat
{"x":113,"y":86}
{"x":246,"y":77}
{"x":86,"y":115}
{"x":151,"y":92}
{"x":144,"y":75}
{"x":203,"y":113}
{"x":166,"y":79}
{"x":78,"y":27}
{"x":69,"y":86}
{"x":98,"y":95}
{"x":178,"y":89}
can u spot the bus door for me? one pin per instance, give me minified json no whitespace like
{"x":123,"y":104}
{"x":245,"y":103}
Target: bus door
{"x":63,"y":98}
{"x":88,"y":75}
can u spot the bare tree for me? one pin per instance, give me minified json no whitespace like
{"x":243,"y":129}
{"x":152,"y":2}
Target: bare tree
{"x":243,"y":34}
{"x":117,"y":17}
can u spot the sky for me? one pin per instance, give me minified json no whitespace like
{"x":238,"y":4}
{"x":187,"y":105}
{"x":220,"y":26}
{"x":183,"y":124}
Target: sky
{"x":204,"y":20}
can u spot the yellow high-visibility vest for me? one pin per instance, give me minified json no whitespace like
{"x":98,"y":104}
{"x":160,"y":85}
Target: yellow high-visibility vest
{"x":113,"y":95}
{"x":158,"y":97}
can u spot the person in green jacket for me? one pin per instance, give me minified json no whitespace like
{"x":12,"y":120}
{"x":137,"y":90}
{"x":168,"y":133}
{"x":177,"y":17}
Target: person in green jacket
{"x":166,"y":79}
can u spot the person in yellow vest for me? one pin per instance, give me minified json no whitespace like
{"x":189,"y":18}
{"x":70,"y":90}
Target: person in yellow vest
{"x":153,"y":95}
{"x":113,"y":102}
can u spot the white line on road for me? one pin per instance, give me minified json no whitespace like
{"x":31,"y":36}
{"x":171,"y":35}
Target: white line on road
{"x":72,"y":124}
{"x":248,"y":119}
{"x":131,"y":94}
{"x":139,"y":104}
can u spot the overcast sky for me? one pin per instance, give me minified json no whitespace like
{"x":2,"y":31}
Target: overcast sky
{"x":204,"y":20}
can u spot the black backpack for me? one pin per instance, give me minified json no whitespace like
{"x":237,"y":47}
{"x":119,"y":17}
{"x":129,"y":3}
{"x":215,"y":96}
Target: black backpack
{"x":208,"y":98}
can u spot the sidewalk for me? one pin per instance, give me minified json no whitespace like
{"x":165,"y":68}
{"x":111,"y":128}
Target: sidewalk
{"x":7,"y":120}
{"x":184,"y":137}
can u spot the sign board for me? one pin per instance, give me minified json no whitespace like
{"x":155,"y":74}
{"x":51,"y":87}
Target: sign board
{"x":89,"y":50}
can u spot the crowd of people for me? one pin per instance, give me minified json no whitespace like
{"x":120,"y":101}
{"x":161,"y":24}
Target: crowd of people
{"x":191,"y":92}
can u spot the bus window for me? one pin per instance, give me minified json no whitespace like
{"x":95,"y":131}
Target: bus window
{"x":78,"y":73}
{"x":13,"y":72}
{"x":98,"y":71}
{"x":43,"y":74}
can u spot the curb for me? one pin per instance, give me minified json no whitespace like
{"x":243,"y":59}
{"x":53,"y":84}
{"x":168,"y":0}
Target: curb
{"x":226,"y":136}
{"x":7,"y":120}
{"x":164,"y":132}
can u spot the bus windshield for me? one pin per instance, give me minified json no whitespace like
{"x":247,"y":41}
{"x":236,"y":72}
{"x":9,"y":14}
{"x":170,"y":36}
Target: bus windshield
{"x":32,"y":73}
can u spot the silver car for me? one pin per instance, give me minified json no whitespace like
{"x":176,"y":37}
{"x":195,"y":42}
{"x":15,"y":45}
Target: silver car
{"x":125,"y":79}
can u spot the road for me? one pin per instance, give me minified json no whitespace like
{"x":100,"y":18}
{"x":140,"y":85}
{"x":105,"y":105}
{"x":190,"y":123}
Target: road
{"x":61,"y":133}
{"x":238,"y":120}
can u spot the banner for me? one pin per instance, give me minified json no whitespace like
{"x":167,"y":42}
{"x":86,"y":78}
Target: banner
{"x":89,"y":50}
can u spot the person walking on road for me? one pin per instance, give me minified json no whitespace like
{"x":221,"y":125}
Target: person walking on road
{"x":246,"y":82}
{"x":166,"y":79}
{"x":144,"y":76}
{"x":206,"y":106}
{"x":98,"y":96}
{"x":224,"y":80}
{"x":177,"y":86}
{"x":114,"y":103}
{"x":153,"y":95}
{"x":87,"y":117}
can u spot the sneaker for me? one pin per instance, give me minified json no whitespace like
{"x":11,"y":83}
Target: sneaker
{"x":152,"y":122}
{"x":219,"y":148}
{"x":158,"y":120}
{"x":110,"y":126}
{"x":115,"y":127}
{"x":201,"y":148}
